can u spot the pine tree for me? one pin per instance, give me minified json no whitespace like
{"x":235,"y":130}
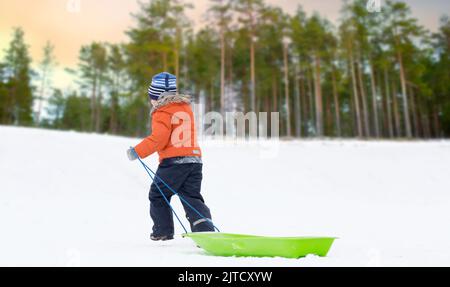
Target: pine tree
{"x":17,"y":106}
{"x":438,"y":76}
{"x":203,"y":51}
{"x":297,"y":25}
{"x":317,"y":35}
{"x":220,"y":12}
{"x":347,"y":35}
{"x":401,"y":30}
{"x":3,"y":91}
{"x":116,"y":79}
{"x":250,"y":11}
{"x":56,"y":108}
{"x":76,"y":115}
{"x":93,"y":69}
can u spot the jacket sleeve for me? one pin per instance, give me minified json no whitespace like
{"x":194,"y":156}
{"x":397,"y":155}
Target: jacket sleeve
{"x":158,"y":140}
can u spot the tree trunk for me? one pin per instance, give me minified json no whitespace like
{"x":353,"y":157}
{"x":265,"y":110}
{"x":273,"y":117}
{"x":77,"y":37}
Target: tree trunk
{"x":274,"y":93}
{"x":267,"y":127}
{"x":252,"y":74}
{"x":113,"y":111}
{"x":303,"y":100}
{"x":420,"y":118}
{"x":355,"y":96}
{"x":398,"y":130}
{"x":388,"y":103}
{"x":311,"y":97}
{"x":352,"y":113}
{"x":13,"y":116}
{"x":425,"y":121}
{"x":286,"y":93}
{"x":416,"y":131}
{"x":381,"y":105}
{"x":230,"y":94}
{"x":374,"y":102}
{"x":364,"y":101}
{"x":94,"y":103}
{"x":337,"y":109}
{"x":211,"y":95}
{"x":328,"y":125}
{"x":436,"y":125}
{"x":222,"y":71}
{"x":113,"y":117}
{"x":404,"y":96}
{"x":257,"y":104}
{"x":319,"y":101}
{"x":298,"y":110}
{"x":427,"y":125}
{"x":98,"y":118}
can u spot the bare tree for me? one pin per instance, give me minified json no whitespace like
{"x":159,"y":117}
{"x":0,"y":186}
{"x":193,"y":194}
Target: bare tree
{"x":47,"y":64}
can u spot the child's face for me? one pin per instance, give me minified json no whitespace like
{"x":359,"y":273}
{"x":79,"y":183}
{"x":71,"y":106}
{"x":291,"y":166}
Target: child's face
{"x":153,"y":102}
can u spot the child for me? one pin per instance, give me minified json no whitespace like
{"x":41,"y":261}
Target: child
{"x":174,"y":138}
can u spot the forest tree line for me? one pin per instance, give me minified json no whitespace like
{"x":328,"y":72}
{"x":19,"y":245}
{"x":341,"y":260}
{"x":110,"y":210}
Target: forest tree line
{"x":372,"y":75}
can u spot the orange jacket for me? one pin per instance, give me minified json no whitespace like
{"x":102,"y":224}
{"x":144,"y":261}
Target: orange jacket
{"x":173,"y":129}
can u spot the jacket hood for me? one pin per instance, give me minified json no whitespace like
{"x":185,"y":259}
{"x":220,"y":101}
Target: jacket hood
{"x":170,"y":98}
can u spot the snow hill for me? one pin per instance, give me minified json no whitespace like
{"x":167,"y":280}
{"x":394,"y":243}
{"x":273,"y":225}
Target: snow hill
{"x":72,"y":199}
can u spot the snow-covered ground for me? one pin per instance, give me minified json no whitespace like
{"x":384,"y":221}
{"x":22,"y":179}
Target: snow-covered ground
{"x":70,"y":199}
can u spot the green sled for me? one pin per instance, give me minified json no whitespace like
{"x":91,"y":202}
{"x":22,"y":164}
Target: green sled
{"x":225,"y":244}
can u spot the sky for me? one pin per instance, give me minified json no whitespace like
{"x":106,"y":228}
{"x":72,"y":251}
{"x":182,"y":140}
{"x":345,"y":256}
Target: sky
{"x":69,"y":24}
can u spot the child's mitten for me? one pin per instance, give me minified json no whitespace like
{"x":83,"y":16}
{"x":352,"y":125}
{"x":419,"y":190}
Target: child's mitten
{"x":131,"y":154}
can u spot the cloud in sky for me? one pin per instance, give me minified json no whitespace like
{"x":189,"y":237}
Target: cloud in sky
{"x":106,"y":20}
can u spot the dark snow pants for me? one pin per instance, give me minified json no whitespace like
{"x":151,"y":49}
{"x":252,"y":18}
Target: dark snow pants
{"x":185,"y":179}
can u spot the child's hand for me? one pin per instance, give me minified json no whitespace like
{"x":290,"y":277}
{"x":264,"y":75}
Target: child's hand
{"x":131,"y":154}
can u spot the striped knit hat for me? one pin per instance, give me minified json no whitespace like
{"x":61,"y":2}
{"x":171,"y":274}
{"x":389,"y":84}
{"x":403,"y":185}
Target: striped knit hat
{"x":162,"y":83}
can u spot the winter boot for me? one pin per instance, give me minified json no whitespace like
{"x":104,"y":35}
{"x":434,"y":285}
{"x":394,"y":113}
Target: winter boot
{"x":161,"y":238}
